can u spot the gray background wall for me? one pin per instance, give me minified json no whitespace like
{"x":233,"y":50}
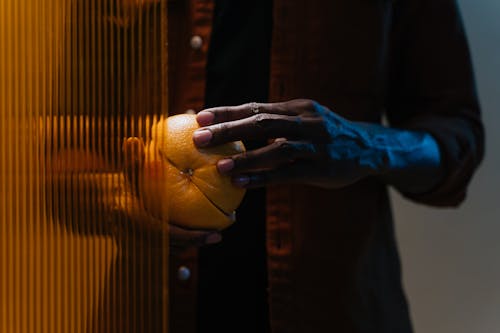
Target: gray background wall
{"x":451,"y":258}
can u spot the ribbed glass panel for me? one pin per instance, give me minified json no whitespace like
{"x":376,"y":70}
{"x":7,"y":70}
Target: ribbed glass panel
{"x":81,"y":83}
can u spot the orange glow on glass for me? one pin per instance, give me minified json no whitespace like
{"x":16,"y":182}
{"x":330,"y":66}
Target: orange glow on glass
{"x":78,"y":80}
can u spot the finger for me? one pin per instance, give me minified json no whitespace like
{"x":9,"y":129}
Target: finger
{"x":230,"y":113}
{"x":281,"y":152}
{"x":262,"y":127}
{"x":292,"y":174}
{"x":181,"y":237}
{"x":133,"y":152}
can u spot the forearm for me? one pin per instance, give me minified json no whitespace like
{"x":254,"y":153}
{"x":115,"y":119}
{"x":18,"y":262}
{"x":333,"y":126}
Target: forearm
{"x":408,"y":160}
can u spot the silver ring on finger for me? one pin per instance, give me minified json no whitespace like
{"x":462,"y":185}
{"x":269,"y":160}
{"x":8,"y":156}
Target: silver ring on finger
{"x":254,"y":107}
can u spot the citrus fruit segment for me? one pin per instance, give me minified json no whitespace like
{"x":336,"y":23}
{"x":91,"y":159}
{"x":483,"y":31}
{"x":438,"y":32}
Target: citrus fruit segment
{"x":182,"y":180}
{"x":207,"y":179}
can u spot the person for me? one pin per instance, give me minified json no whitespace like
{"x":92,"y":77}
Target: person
{"x":306,"y":85}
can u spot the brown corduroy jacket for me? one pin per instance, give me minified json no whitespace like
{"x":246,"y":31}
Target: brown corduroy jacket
{"x":407,"y":60}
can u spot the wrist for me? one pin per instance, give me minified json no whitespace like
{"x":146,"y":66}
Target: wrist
{"x":408,"y":160}
{"x":373,"y":148}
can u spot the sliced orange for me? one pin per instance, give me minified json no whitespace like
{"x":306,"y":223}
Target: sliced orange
{"x":181,"y":181}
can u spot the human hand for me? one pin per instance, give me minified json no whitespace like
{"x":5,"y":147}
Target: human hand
{"x":309,"y":144}
{"x":133,"y":203}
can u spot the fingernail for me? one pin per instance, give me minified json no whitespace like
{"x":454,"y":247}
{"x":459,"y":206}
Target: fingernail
{"x":213,"y":238}
{"x":241,"y":181}
{"x":205,"y":118}
{"x":225,"y":165}
{"x":202,"y":137}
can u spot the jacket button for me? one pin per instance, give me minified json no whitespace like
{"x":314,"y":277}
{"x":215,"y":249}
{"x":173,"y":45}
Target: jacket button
{"x":183,"y":273}
{"x":196,"y":42}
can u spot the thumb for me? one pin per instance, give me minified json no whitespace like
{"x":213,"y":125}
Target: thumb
{"x":133,"y":152}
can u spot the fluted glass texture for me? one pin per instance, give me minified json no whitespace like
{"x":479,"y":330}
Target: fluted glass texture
{"x":81,"y":83}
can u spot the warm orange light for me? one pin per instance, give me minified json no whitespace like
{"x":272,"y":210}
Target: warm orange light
{"x":76,"y":78}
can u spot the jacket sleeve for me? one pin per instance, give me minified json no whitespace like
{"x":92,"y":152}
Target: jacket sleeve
{"x":432,"y":89}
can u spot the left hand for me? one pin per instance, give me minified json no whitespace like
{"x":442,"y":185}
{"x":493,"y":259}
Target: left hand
{"x":311,"y":144}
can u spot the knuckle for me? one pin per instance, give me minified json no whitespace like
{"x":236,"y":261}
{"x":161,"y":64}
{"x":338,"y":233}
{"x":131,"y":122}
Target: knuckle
{"x":221,"y":114}
{"x":273,"y":123}
{"x":250,"y":105}
{"x":284,"y":146}
{"x":240,"y":160}
{"x":261,"y":117}
{"x":219,"y":129}
{"x":286,"y":149}
{"x":264,"y":120}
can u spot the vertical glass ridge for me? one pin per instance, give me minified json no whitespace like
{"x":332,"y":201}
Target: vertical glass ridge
{"x":78,"y":79}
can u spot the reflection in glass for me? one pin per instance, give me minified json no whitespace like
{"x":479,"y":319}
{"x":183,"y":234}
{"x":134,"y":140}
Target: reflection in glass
{"x":77,"y":251}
